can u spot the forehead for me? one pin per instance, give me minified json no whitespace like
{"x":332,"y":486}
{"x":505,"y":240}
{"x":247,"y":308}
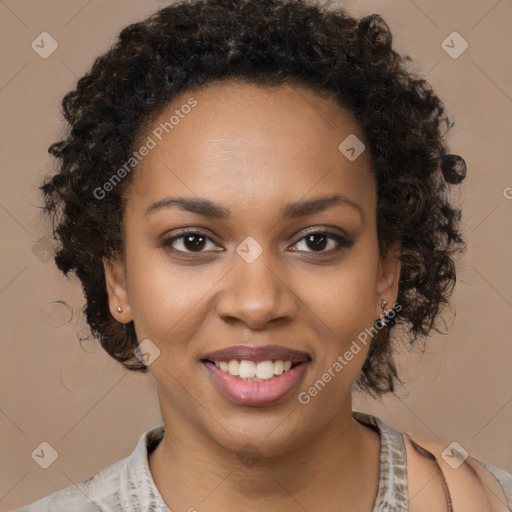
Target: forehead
{"x":241,"y":141}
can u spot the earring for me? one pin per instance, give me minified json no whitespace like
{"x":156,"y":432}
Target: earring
{"x":119,"y":309}
{"x":387,"y":321}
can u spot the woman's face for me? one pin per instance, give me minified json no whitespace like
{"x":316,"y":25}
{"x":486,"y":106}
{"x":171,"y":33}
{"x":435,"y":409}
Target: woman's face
{"x":257,"y":171}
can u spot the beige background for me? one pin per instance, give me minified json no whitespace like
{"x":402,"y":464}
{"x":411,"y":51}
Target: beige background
{"x":87,"y":406}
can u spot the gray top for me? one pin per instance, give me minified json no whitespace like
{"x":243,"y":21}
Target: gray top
{"x":128,"y":486}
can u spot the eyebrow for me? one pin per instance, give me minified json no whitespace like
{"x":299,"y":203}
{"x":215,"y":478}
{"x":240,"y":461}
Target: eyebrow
{"x":212,"y":210}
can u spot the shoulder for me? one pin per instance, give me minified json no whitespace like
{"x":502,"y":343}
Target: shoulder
{"x":435,"y":470}
{"x":124,"y":485}
{"x":97,"y":493}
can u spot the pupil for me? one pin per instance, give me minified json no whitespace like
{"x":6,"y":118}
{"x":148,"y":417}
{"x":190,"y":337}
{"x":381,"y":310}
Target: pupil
{"x":320,"y":245}
{"x":196,"y":245}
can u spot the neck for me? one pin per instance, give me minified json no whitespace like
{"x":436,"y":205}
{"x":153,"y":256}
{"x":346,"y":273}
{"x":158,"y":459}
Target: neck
{"x":340,"y":463}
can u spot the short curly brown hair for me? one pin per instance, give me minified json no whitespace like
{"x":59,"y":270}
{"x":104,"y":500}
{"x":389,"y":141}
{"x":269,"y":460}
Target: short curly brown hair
{"x":268,"y":42}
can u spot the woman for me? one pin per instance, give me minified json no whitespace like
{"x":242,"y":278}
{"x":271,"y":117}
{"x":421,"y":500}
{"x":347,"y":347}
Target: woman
{"x":254,"y":197}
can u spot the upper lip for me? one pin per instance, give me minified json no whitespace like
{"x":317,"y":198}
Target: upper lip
{"x":257,"y":354}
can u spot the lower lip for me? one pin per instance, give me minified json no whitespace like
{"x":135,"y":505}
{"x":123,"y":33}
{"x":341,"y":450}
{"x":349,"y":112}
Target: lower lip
{"x":260,"y":393}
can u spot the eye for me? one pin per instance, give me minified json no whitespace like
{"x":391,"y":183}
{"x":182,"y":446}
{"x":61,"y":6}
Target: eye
{"x":188,"y":242}
{"x":320,"y":239}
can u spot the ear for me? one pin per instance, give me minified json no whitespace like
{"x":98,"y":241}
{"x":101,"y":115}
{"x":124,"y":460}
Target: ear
{"x":115,"y":277}
{"x":388,"y":277}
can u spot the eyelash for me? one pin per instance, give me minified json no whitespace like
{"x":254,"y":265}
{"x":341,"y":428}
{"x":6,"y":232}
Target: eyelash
{"x":343,"y":243}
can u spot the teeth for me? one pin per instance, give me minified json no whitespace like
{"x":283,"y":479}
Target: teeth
{"x":233,"y":366}
{"x":264,"y":370}
{"x":249,"y":370}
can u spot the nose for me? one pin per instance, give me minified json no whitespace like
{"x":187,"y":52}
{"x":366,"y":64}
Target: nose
{"x":257,"y":293}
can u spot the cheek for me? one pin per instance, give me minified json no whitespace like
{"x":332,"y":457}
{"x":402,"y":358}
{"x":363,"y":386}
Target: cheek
{"x":164,"y":297}
{"x":345,"y":296}
{"x":346,"y":306}
{"x":345,"y":303}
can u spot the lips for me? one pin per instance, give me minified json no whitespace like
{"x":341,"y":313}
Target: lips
{"x":260,"y":392}
{"x":257,"y":354}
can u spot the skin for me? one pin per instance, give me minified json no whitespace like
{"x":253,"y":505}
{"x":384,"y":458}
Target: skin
{"x":253,"y":150}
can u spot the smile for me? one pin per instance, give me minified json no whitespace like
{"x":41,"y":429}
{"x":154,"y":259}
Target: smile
{"x":250,"y":370}
{"x":256,"y":376}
